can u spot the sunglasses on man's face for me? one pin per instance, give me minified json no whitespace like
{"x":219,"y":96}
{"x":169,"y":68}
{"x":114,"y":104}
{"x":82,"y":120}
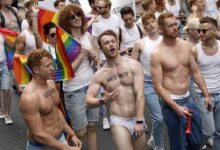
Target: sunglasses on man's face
{"x":203,"y":30}
{"x":78,"y":14}
{"x":52,"y":34}
{"x":101,"y":7}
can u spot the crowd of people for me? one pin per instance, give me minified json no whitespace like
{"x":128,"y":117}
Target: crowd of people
{"x":164,"y":57}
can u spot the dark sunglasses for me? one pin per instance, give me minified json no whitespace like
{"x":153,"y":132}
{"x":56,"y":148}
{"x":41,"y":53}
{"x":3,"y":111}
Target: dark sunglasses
{"x":52,"y":34}
{"x":203,"y":30}
{"x":78,"y":14}
{"x":101,"y":7}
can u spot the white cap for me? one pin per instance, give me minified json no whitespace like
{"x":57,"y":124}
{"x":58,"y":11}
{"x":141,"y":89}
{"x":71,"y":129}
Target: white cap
{"x":192,"y":24}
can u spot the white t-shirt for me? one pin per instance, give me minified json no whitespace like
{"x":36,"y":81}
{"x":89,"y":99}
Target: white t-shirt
{"x":2,"y":49}
{"x":211,"y":9}
{"x":84,"y":72}
{"x":111,"y":23}
{"x":103,"y":24}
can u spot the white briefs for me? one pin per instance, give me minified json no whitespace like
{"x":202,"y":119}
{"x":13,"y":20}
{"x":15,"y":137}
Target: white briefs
{"x":176,"y":97}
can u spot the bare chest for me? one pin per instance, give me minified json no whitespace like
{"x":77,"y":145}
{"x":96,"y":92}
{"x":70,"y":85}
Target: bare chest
{"x":48,"y":100}
{"x":121,"y":76}
{"x":175,"y":59}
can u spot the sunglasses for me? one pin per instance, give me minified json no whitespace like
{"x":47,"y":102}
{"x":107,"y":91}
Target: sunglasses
{"x":78,"y":14}
{"x":52,"y":34}
{"x":101,"y":7}
{"x":203,"y":30}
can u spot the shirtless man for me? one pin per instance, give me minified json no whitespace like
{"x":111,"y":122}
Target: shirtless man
{"x":123,"y":80}
{"x":39,"y":107}
{"x":171,"y":63}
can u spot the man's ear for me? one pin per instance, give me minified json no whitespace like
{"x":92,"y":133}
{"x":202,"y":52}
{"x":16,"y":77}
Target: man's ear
{"x":35,"y":70}
{"x":161,"y":29}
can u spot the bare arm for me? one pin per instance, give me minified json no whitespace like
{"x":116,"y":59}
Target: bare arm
{"x":93,"y":91}
{"x":71,"y":134}
{"x":39,"y":41}
{"x":138,"y":77}
{"x":29,"y":108}
{"x":20,"y":44}
{"x":199,"y":80}
{"x":136,"y":50}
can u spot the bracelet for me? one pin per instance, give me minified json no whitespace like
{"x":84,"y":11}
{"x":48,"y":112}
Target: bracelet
{"x":70,"y":136}
{"x":101,"y":101}
{"x":139,"y":122}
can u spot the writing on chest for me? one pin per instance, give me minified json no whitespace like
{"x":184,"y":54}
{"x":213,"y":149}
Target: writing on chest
{"x":117,"y":76}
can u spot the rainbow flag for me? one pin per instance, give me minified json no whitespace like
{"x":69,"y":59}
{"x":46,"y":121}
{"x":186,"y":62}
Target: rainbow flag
{"x":21,"y":70}
{"x":45,"y":16}
{"x":10,"y":37}
{"x":67,"y":49}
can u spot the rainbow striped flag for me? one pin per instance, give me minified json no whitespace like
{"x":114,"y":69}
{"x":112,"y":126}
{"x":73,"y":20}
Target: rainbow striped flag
{"x":10,"y":37}
{"x":45,"y":16}
{"x":67,"y":49}
{"x":21,"y":70}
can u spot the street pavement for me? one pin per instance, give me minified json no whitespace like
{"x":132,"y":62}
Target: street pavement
{"x":13,"y":137}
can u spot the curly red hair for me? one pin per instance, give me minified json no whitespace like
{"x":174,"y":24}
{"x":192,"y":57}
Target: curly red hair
{"x":65,"y":14}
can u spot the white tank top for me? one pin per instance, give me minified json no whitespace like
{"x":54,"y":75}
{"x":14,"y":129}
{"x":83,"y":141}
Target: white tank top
{"x":210,"y":69}
{"x":30,"y":43}
{"x":2,"y":49}
{"x":84,"y":72}
{"x":145,"y":54}
{"x":129,"y":36}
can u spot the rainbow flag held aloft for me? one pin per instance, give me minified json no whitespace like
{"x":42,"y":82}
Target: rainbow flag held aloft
{"x":67,"y":49}
{"x":21,"y":70}
{"x":45,"y":16}
{"x":10,"y":37}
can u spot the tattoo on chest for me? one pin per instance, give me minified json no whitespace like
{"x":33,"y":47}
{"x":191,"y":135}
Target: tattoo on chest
{"x":49,"y":92}
{"x":116,"y":76}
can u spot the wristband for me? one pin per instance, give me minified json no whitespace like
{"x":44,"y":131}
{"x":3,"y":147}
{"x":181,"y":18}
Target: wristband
{"x":101,"y":101}
{"x":70,"y":136}
{"x":139,"y":122}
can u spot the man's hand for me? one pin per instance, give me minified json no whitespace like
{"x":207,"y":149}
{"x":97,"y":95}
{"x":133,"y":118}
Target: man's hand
{"x":94,"y":55}
{"x":183,"y":111}
{"x":84,"y":52}
{"x":208,"y":103}
{"x":139,"y":130}
{"x":110,"y":96}
{"x":76,"y":142}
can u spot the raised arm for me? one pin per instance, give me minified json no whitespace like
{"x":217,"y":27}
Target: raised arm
{"x":20,"y":44}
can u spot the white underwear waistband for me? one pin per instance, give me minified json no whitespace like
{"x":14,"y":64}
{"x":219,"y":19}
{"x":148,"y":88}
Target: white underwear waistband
{"x":175,"y":97}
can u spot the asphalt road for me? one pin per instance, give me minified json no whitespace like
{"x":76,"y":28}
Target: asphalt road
{"x":13,"y":137}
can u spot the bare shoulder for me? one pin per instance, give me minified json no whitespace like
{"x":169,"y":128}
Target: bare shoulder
{"x":183,"y":44}
{"x":131,"y":63}
{"x":29,"y":100}
{"x":139,"y":43}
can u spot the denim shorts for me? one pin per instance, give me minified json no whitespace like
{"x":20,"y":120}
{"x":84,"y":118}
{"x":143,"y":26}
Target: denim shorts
{"x":79,"y":114}
{"x":36,"y":146}
{"x":5,"y":76}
